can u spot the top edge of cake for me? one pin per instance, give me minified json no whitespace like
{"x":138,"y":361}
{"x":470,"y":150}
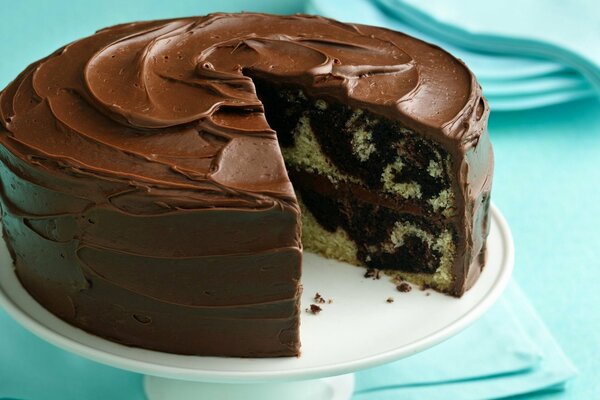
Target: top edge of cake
{"x":169,"y":106}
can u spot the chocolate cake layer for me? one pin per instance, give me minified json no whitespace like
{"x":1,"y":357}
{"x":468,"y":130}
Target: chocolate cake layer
{"x":144,"y":193}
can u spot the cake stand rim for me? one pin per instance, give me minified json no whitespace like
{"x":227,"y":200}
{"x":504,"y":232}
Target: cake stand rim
{"x":244,"y":376}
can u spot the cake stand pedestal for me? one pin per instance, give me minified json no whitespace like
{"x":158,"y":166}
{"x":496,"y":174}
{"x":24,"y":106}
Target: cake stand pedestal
{"x":333,"y":388}
{"x":357,"y":330}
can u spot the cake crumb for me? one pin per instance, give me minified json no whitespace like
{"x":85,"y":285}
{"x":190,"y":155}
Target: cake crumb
{"x":314,"y":309}
{"x":372,"y":273}
{"x":318,"y":298}
{"x":390,"y":300}
{"x":321,"y":300}
{"x":404,"y":287}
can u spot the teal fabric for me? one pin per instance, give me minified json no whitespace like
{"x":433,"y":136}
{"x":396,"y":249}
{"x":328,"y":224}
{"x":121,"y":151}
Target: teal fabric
{"x":507,"y":352}
{"x":32,"y":369}
{"x":546,"y":182}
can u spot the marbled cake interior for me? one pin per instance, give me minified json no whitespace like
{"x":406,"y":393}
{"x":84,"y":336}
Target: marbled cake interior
{"x":373,"y":193}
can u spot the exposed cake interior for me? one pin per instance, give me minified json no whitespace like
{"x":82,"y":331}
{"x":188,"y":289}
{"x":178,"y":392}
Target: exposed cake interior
{"x":372,"y":192}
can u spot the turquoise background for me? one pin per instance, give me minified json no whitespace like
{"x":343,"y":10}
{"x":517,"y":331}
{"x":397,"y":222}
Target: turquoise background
{"x":547,"y":179}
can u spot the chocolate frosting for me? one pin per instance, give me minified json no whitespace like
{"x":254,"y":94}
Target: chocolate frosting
{"x":133,"y":154}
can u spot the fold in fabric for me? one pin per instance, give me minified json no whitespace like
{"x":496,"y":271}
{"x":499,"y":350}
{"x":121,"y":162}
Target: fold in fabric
{"x":567,"y":33}
{"x":508,"y":352}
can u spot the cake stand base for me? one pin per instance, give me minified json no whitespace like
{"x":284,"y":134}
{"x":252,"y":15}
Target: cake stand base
{"x":333,"y":388}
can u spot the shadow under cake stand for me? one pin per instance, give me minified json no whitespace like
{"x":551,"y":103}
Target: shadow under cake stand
{"x":358,"y":329}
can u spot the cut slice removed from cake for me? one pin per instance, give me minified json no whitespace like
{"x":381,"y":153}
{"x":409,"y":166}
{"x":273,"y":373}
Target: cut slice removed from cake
{"x":372,"y":191}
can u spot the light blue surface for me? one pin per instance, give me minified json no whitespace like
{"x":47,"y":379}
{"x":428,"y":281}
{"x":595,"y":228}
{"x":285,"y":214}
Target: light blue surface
{"x":547,"y":183}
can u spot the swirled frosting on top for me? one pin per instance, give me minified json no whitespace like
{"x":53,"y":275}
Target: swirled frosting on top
{"x":171,"y":103}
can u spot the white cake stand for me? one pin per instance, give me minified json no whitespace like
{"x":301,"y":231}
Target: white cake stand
{"x":359,"y":329}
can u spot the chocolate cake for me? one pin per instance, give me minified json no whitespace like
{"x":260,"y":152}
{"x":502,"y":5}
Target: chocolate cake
{"x":145,"y":196}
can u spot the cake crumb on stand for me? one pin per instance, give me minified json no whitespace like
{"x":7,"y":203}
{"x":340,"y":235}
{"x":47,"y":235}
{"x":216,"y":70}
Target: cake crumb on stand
{"x":314,"y":309}
{"x":319,"y":299}
{"x":404,"y":287}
